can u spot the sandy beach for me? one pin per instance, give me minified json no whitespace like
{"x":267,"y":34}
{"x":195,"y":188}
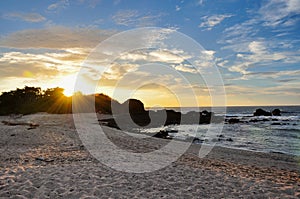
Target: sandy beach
{"x":49,"y":161}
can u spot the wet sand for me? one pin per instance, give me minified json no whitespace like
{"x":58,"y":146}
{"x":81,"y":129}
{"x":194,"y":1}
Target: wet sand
{"x":49,"y":161}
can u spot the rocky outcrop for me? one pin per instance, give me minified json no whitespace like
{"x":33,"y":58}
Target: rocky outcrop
{"x":233,"y":120}
{"x":134,"y":110}
{"x":261,"y":112}
{"x":276,"y":112}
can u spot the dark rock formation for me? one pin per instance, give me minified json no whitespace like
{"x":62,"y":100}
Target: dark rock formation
{"x":135,"y":106}
{"x":233,"y":120}
{"x":276,"y":123}
{"x":132,"y":114}
{"x":255,"y":120}
{"x":197,"y":140}
{"x":261,"y":112}
{"x":162,"y":134}
{"x":132,"y":106}
{"x":276,"y":112}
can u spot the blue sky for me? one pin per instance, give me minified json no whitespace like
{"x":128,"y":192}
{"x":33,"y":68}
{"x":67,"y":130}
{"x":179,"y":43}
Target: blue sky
{"x":255,"y":44}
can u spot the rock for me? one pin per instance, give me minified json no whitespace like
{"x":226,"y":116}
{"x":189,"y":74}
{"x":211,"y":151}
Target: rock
{"x":191,"y":117}
{"x":173,"y":117}
{"x":261,"y":112}
{"x":132,"y":106}
{"x":197,"y":140}
{"x":205,"y":117}
{"x":233,"y":120}
{"x":162,"y":134}
{"x":261,"y":120}
{"x":276,"y":112}
{"x":254,"y":120}
{"x":276,"y":123}
{"x":135,"y":106}
{"x":173,"y":131}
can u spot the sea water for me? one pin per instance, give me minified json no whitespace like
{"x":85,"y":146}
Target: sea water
{"x":277,"y":134}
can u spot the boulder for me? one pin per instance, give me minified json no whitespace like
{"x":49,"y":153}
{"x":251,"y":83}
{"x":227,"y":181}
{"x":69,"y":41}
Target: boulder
{"x":276,"y":123}
{"x":173,"y":117}
{"x":131,"y":106}
{"x":276,"y":112}
{"x":205,"y":117}
{"x":233,"y":120}
{"x":162,"y":134}
{"x":261,"y":112}
{"x":135,"y":106}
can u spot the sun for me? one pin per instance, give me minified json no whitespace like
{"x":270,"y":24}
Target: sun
{"x":68,"y":84}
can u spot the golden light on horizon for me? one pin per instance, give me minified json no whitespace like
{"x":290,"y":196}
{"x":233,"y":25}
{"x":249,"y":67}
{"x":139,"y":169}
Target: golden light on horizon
{"x":68,"y":84}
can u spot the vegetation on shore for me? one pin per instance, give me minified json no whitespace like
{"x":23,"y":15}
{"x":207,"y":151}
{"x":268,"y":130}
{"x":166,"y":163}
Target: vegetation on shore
{"x":30,"y":100}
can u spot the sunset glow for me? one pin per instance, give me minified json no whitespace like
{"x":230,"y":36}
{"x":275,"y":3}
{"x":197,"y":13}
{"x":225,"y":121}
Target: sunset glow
{"x":68,"y":83}
{"x":254,"y":45}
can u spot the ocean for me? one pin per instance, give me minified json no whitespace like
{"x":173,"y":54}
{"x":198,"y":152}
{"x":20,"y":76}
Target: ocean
{"x":269,"y":134}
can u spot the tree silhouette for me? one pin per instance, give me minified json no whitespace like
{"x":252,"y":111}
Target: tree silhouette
{"x":52,"y":100}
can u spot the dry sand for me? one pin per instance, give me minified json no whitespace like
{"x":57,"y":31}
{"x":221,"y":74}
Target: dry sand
{"x":49,"y":161}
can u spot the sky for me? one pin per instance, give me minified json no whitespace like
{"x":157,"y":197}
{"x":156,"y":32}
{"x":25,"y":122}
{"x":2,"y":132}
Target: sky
{"x":253,"y":44}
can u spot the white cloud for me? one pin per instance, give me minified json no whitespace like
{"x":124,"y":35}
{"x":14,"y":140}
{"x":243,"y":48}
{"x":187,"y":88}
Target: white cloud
{"x":177,"y":8}
{"x":134,"y":18}
{"x":280,"y":16}
{"x":125,"y":17}
{"x":210,"y":21}
{"x":280,"y":12}
{"x":166,"y":56}
{"x":209,"y":53}
{"x":257,"y":47}
{"x":91,"y":3}
{"x":259,"y":53}
{"x":285,"y":89}
{"x":61,"y":4}
{"x":16,"y":61}
{"x":276,"y":74}
{"x":116,"y":71}
{"x":185,"y":68}
{"x":200,"y":2}
{"x":29,"y":17}
{"x":55,"y":37}
{"x":241,"y":68}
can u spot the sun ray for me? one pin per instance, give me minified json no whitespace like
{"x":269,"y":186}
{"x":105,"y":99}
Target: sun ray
{"x":68,"y":83}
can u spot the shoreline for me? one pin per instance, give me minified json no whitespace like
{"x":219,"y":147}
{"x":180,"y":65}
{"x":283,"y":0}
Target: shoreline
{"x":51,"y":162}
